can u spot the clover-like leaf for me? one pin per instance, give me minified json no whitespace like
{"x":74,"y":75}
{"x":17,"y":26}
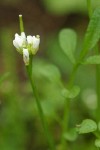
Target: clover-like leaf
{"x":87,"y":126}
{"x":72,"y":93}
{"x":71,"y":135}
{"x":97,"y":143}
{"x":92,"y":60}
{"x":68,"y":41}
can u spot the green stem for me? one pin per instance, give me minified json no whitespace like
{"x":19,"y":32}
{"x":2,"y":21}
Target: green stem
{"x":98,"y":88}
{"x":71,"y":81}
{"x":21,"y":23}
{"x":97,"y":69}
{"x":85,"y":51}
{"x":35,"y":93}
{"x":42,"y":117}
{"x":65,"y":124}
{"x":89,"y":6}
{"x":67,"y":109}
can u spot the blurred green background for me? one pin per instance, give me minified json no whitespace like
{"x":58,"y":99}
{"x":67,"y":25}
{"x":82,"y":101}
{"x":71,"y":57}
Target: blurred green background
{"x":20,"y":126}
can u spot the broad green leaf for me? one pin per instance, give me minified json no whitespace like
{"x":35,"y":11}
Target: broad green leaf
{"x":68,"y":41}
{"x":93,"y":31}
{"x":72,"y":93}
{"x":87,"y":126}
{"x":92,"y":60}
{"x":71,"y":135}
{"x":97,"y":143}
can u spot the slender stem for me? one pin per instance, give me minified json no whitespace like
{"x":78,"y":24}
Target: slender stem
{"x":89,"y":6}
{"x":35,"y":93}
{"x":42,"y":117}
{"x":65,"y":124}
{"x":98,"y":91}
{"x":85,"y":51}
{"x":71,"y":81}
{"x":67,"y":108}
{"x":97,"y":69}
{"x":21,"y":23}
{"x":98,"y":88}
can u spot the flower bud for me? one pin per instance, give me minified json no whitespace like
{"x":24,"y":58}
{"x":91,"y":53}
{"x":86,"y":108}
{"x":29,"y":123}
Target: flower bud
{"x":26,"y":56}
{"x":19,"y":41}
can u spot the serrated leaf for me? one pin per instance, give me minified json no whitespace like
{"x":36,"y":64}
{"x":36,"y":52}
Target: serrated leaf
{"x":87,"y":126}
{"x":92,"y":60}
{"x":93,"y":31}
{"x":97,"y":143}
{"x":68,"y":41}
{"x":72,"y":93}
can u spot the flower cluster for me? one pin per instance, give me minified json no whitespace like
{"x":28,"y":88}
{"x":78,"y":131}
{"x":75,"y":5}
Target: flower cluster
{"x":26,"y":45}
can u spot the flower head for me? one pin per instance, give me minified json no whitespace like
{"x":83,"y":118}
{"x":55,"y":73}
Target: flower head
{"x":26,"y":45}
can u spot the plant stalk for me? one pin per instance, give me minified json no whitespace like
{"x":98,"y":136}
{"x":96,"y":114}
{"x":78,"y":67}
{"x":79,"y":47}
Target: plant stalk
{"x":66,"y":116}
{"x":40,"y":110}
{"x":70,"y":84}
{"x":89,"y":5}
{"x":98,"y":88}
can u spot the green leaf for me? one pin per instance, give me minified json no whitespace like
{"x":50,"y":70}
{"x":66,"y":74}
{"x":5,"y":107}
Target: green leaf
{"x":71,"y":135}
{"x":72,"y":93}
{"x":92,"y":60}
{"x":87,"y":126}
{"x":97,"y":143}
{"x":93,"y":31}
{"x":68,"y":41}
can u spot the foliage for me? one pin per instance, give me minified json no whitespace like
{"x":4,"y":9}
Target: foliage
{"x":64,"y":89}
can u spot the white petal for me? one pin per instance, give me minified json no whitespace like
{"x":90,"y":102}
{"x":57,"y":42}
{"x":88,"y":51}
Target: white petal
{"x":29,"y":39}
{"x":36,"y":42}
{"x":23,"y":37}
{"x":26,"y":56}
{"x":18,"y":41}
{"x":15,"y":44}
{"x":16,"y":34}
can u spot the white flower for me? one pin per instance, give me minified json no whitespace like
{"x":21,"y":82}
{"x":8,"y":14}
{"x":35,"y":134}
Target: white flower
{"x":29,"y":39}
{"x":34,"y":42}
{"x":23,"y":37}
{"x":26,"y":56}
{"x":26,"y":46}
{"x":19,"y":41}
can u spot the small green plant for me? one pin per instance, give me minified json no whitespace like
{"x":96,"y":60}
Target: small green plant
{"x":28,"y":46}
